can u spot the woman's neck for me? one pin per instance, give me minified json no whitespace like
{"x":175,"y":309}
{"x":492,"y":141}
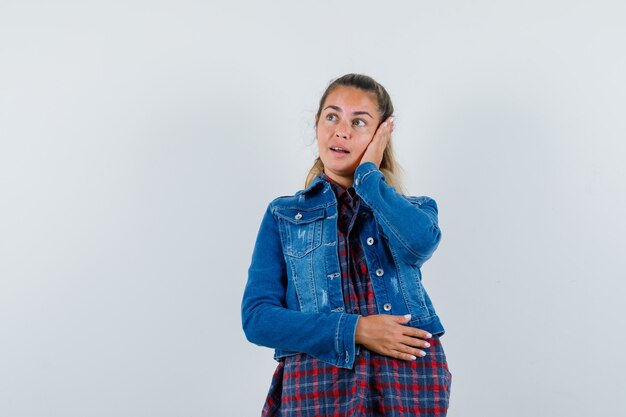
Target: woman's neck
{"x":344,"y":181}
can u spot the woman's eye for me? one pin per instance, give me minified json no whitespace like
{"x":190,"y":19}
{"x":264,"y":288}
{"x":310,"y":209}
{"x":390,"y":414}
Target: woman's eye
{"x":359,"y":122}
{"x":331,"y":116}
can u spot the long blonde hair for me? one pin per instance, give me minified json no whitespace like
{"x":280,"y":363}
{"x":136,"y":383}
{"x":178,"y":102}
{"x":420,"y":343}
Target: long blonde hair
{"x":389,"y":165}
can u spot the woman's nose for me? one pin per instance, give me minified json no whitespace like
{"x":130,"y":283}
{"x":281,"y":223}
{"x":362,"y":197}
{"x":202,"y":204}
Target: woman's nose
{"x":342,"y":131}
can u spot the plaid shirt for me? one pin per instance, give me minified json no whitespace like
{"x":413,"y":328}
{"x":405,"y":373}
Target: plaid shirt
{"x":377,"y":385}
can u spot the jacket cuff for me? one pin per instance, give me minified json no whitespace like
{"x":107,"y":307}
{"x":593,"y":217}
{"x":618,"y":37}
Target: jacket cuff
{"x":364,"y":171}
{"x":344,"y":340}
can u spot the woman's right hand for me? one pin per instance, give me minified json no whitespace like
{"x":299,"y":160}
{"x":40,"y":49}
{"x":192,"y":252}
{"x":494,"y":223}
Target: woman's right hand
{"x":387,"y":335}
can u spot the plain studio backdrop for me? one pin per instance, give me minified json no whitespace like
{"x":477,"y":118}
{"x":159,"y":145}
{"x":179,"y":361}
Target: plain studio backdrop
{"x":140,"y":143}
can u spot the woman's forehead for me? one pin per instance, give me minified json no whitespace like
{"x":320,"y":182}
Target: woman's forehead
{"x":352,"y":99}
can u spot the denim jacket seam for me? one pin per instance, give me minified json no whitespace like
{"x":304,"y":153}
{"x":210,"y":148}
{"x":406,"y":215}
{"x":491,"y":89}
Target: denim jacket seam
{"x":400,"y":239}
{"x":337,"y":336}
{"x":299,"y":207}
{"x":345,"y":359}
{"x":366,"y":173}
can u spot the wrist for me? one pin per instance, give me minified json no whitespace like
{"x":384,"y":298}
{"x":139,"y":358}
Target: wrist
{"x":360,"y":330}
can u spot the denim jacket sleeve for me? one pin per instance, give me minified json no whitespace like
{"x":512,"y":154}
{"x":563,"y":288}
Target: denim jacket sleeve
{"x":268,"y":322}
{"x":410,"y":223}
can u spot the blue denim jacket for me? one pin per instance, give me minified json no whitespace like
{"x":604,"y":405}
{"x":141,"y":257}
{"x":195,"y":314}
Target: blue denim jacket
{"x":293,"y":300}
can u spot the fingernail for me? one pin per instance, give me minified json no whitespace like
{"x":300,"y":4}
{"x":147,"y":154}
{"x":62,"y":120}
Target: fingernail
{"x":428,"y":335}
{"x":413,"y":357}
{"x":427,"y":344}
{"x":422,"y":353}
{"x":407,"y":316}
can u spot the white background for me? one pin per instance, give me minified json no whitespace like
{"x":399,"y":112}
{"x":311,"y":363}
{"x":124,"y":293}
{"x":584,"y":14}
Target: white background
{"x":140,"y":143}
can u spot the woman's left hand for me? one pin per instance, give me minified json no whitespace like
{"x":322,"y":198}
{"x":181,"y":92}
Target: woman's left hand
{"x":376,"y":148}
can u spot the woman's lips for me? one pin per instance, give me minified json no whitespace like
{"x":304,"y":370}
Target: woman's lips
{"x":337,"y":149}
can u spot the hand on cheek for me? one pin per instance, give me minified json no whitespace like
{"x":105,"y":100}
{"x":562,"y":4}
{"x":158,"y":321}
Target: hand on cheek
{"x":375,"y":149}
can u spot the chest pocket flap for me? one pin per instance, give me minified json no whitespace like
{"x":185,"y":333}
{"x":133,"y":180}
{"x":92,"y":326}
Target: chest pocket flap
{"x":301,"y":230}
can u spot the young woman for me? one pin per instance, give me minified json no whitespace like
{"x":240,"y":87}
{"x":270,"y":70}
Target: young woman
{"x":335,"y":285}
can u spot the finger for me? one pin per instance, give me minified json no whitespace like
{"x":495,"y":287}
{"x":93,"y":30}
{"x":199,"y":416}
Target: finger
{"x":391,"y":122}
{"x":386,"y":126}
{"x":407,"y":355}
{"x":413,"y":332}
{"x":385,"y":133}
{"x":385,"y":129}
{"x":402,"y":355}
{"x":402,"y":319}
{"x":382,"y":137}
{"x":414,"y":342}
{"x":419,"y":353}
{"x":390,"y":119}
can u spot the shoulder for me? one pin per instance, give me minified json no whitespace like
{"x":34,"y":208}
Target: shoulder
{"x":286,"y":205}
{"x":304,"y":206}
{"x":285,"y":201}
{"x":305,"y":199}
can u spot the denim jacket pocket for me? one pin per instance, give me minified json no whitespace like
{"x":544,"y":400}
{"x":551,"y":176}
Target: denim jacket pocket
{"x":301,"y":230}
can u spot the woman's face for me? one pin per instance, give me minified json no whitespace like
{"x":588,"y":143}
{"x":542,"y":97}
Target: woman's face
{"x":345,"y":127}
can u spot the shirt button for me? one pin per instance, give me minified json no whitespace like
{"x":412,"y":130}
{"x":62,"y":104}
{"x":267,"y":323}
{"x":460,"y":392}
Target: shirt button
{"x":298,"y":216}
{"x":357,"y":181}
{"x":387,"y":307}
{"x":380,"y":272}
{"x":347,"y":357}
{"x":370,"y":241}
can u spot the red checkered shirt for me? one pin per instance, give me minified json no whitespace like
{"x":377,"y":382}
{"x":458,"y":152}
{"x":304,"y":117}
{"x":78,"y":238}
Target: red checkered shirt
{"x":377,"y":385}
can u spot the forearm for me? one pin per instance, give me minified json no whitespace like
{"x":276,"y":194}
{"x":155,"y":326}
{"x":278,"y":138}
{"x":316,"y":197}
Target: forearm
{"x":411,"y":226}
{"x":268,"y":322}
{"x":327,"y":336}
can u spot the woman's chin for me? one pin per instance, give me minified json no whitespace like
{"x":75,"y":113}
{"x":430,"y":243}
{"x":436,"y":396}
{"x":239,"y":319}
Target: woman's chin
{"x":339,"y":171}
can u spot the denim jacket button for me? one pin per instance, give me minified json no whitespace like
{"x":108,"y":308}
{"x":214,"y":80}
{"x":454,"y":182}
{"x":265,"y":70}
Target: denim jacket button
{"x":387,"y":307}
{"x":298,"y":216}
{"x":380,"y":272}
{"x":357,"y":181}
{"x":370,"y":241}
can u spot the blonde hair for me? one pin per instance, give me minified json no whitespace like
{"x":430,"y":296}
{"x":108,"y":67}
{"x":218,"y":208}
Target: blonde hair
{"x":389,"y":165}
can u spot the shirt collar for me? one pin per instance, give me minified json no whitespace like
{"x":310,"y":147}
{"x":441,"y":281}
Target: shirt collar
{"x":347,"y":195}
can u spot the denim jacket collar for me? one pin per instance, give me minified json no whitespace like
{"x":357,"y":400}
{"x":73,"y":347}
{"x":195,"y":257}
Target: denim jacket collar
{"x":323,"y":180}
{"x":317,"y":181}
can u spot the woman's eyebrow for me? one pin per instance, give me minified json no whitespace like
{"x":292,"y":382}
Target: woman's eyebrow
{"x":356,"y":113}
